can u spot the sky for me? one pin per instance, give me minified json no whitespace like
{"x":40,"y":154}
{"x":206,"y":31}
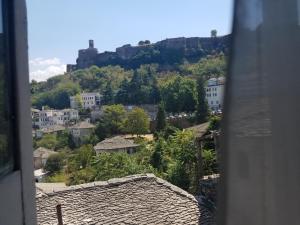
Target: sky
{"x":57,"y":29}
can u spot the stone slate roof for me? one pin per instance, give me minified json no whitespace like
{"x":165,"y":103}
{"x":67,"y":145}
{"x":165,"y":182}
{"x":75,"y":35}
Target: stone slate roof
{"x":199,"y":130}
{"x":43,"y":153}
{"x":49,"y":187}
{"x":138,"y":199}
{"x":117,"y":142}
{"x":83,"y":125}
{"x":52,"y":129}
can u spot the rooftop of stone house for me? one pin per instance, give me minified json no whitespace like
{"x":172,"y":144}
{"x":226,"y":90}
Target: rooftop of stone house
{"x":52,"y":129}
{"x":83,"y":125}
{"x":138,"y":199}
{"x":116,"y":142}
{"x":199,"y":130}
{"x":43,"y":153}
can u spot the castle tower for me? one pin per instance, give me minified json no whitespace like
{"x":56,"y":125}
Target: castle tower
{"x":91,"y":43}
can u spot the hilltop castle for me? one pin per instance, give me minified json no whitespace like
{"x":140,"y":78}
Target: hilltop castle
{"x":166,"y":51}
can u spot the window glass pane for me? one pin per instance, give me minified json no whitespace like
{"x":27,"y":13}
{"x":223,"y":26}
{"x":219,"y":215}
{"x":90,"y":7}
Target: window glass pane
{"x":6,"y":155}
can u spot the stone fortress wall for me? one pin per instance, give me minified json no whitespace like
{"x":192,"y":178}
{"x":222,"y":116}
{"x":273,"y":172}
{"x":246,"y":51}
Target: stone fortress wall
{"x":188,"y":46}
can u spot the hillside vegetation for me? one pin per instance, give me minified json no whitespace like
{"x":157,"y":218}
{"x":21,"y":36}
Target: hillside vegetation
{"x":148,"y":84}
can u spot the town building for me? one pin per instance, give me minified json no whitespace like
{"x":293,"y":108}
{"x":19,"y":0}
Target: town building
{"x":215,"y":93}
{"x":81,"y":130}
{"x":90,"y":100}
{"x":116,"y":144}
{"x":136,"y":199}
{"x":55,"y":129}
{"x":51,"y":117}
{"x":40,"y":157}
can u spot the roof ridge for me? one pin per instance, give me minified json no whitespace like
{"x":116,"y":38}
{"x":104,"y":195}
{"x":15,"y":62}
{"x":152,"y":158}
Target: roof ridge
{"x":123,"y":180}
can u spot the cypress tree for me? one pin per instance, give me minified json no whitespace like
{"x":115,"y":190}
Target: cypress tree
{"x":108,"y":95}
{"x":161,"y":118}
{"x":202,"y":107}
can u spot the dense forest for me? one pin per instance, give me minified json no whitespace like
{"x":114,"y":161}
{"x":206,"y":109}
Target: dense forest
{"x":148,"y":84}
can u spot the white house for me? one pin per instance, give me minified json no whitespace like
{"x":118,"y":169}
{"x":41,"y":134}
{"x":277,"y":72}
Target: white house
{"x":48,"y":118}
{"x":89,"y":100}
{"x":215,"y":93}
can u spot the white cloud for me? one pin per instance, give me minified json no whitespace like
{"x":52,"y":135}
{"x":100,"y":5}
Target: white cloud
{"x":41,"y":69}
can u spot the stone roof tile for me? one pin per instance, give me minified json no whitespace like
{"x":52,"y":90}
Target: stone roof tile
{"x":138,"y":199}
{"x":117,"y":142}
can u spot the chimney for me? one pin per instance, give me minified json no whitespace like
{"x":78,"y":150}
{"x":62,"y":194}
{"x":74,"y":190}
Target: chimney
{"x":91,"y":43}
{"x":59,"y":214}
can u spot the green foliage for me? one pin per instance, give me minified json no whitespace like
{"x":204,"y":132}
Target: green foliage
{"x":108,"y":95}
{"x":210,"y":165}
{"x":158,"y":159}
{"x":54,"y":163}
{"x":214,"y":123}
{"x":54,"y":141}
{"x":210,"y":66}
{"x":178,"y":176}
{"x":58,"y":177}
{"x":78,"y":101}
{"x":105,"y":166}
{"x":147,"y":84}
{"x":55,"y":92}
{"x":137,"y":122}
{"x":182,"y":172}
{"x":161,"y":118}
{"x":112,"y":121}
{"x":47,"y":141}
{"x":141,"y":89}
{"x":117,"y":165}
{"x":179,"y":94}
{"x":202,"y":106}
{"x":62,"y":140}
{"x":58,"y":97}
{"x":81,"y":159}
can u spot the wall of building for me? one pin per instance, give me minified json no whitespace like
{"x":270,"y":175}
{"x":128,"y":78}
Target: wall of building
{"x":215,"y":93}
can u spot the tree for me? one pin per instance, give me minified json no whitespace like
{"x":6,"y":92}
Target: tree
{"x":62,"y":139}
{"x":112,"y":121}
{"x":182,"y":171}
{"x":178,"y":176}
{"x":137,"y":122}
{"x":157,"y":159}
{"x":48,"y":141}
{"x":141,"y":43}
{"x":202,"y":107}
{"x":123,"y":95}
{"x":161,"y":118}
{"x":84,"y":156}
{"x":179,"y":94}
{"x":214,"y":123}
{"x":54,"y":163}
{"x":105,"y":166}
{"x":213,"y":33}
{"x":209,"y":162}
{"x":213,"y":66}
{"x":78,"y":101}
{"x":108,"y":95}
